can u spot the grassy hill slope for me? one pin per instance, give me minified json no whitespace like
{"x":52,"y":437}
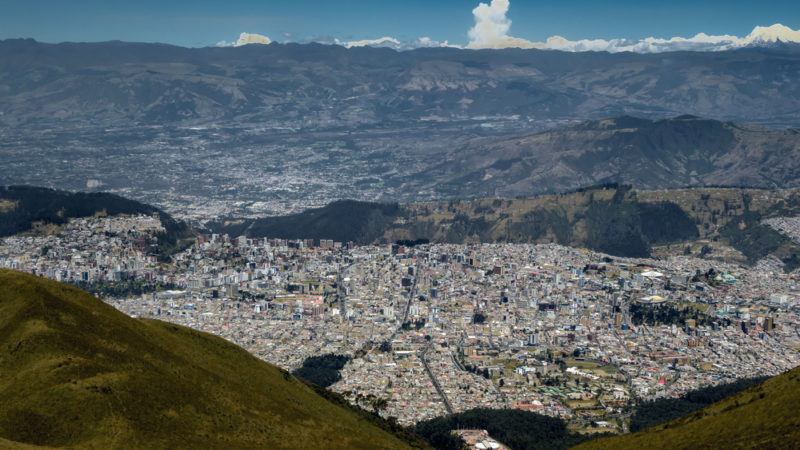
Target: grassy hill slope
{"x":763,"y":416}
{"x":76,"y":372}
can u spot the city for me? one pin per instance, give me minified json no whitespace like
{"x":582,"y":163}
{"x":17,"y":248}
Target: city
{"x":399,"y":225}
{"x":440,"y":328}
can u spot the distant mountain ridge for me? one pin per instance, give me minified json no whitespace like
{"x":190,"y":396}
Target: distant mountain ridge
{"x":314,"y":86}
{"x":649,"y":154}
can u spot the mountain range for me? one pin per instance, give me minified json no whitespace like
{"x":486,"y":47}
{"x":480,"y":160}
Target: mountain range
{"x":315,"y":86}
{"x":649,"y":154}
{"x":288,"y":122}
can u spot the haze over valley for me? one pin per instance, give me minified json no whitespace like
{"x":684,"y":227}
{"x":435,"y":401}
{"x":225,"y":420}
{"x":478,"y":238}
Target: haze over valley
{"x":271,"y":129}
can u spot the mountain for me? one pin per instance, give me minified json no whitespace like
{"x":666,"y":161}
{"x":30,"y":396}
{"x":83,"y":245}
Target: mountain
{"x":608,"y":220}
{"x":75,"y":372}
{"x":649,"y":154}
{"x":274,"y":126}
{"x":314,"y":86}
{"x":763,"y":416}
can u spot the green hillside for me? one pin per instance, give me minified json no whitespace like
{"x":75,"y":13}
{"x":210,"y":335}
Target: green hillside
{"x":763,"y":416}
{"x":662,"y":410}
{"x":75,"y":372}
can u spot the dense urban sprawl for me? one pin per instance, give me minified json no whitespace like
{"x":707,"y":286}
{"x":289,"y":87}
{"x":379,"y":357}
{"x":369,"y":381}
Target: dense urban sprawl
{"x":440,"y":328}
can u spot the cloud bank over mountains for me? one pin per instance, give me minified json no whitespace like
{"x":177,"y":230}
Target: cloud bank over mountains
{"x":760,"y":36}
{"x":492,"y":26}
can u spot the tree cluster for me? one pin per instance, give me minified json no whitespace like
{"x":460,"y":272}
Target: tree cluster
{"x":322,"y":370}
{"x":120,"y":289}
{"x":412,"y":243}
{"x":515,"y":428}
{"x":666,"y":314}
{"x":629,"y":228}
{"x":343,"y":221}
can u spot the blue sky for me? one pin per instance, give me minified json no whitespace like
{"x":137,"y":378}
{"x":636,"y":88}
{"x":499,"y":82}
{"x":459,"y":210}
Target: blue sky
{"x":198,"y":23}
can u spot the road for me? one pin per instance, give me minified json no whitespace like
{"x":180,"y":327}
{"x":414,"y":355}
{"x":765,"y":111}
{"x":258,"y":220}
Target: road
{"x":435,"y":382}
{"x":412,"y":291}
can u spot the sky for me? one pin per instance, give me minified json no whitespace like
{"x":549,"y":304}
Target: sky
{"x":200,"y":23}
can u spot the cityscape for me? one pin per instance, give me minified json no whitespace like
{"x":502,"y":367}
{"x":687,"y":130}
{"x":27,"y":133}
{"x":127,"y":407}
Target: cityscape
{"x":442,"y":328}
{"x":486,"y":225}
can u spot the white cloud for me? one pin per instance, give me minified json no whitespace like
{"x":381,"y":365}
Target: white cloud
{"x":390,"y":42}
{"x":426,"y":42}
{"x":699,"y":42}
{"x":492,"y":27}
{"x":251,"y":38}
{"x":385,"y":41}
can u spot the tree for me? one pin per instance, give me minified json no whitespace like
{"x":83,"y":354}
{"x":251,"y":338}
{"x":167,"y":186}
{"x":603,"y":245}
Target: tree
{"x":322,"y":370}
{"x":378,"y":404}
